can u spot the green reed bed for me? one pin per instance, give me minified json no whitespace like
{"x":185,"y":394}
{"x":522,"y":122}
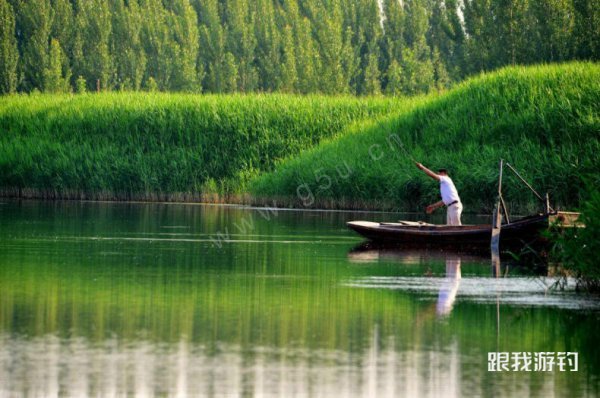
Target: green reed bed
{"x":160,"y":146}
{"x":544,"y":120}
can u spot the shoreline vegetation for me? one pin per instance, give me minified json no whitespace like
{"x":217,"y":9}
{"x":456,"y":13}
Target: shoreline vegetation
{"x":309,"y":151}
{"x":173,"y":147}
{"x":198,"y":198}
{"x":576,"y":249}
{"x":544,"y":120}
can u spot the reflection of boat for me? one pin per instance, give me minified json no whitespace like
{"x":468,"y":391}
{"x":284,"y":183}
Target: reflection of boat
{"x":368,"y":252}
{"x":406,"y":232}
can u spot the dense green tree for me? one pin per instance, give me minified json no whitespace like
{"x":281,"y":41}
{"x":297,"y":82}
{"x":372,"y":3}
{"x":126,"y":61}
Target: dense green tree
{"x":183,"y":24}
{"x":553,"y":31}
{"x":586,"y":34}
{"x":289,"y":76}
{"x":62,"y":23}
{"x":34,"y":24}
{"x":93,"y":18}
{"x":329,"y":37}
{"x":454,"y":53}
{"x":213,"y":37}
{"x":306,"y":46}
{"x":57,"y":74}
{"x":9,"y":53}
{"x":157,"y":44}
{"x":479,"y":26}
{"x":394,"y":25}
{"x":417,"y":68}
{"x":392,"y":44}
{"x":446,"y":35}
{"x":268,"y":46}
{"x":80,"y":85}
{"x":62,"y":29}
{"x":440,"y":74}
{"x":417,"y":73}
{"x":436,"y":33}
{"x":241,"y":42}
{"x":511,"y":32}
{"x":229,"y":82}
{"x":151,"y":85}
{"x":126,"y":45}
{"x":394,"y":79}
{"x":307,"y":58}
{"x":372,"y":85}
{"x":351,"y":61}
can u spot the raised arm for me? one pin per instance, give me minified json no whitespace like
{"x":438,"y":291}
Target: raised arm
{"x":428,"y":172}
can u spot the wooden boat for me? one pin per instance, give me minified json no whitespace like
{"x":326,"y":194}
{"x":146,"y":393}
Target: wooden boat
{"x":525,"y":230}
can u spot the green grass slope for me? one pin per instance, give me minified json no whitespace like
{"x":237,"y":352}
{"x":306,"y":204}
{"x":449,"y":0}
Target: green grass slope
{"x":151,"y":146}
{"x":544,"y":120}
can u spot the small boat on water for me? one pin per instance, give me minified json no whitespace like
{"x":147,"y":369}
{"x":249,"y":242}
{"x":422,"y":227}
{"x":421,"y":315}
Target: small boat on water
{"x":524,"y":230}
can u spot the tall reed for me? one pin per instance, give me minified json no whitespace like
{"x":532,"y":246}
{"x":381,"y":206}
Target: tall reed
{"x":136,"y":145}
{"x":544,"y":120}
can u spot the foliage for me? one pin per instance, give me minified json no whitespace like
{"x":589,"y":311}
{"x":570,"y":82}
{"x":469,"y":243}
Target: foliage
{"x":577,"y":248}
{"x":147,"y":143}
{"x":543,"y":120}
{"x":56,"y":75}
{"x":9,"y":55}
{"x":335,"y":47}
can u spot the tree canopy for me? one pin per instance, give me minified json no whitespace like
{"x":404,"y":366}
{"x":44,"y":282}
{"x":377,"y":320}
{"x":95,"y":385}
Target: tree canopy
{"x":363,"y":47}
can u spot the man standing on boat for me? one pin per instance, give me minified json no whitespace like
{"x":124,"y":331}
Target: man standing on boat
{"x":450,"y":197}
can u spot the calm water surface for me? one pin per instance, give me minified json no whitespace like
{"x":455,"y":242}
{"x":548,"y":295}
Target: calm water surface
{"x":113,"y":299}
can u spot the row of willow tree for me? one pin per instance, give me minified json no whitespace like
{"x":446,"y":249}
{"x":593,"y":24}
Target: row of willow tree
{"x":360,"y":47}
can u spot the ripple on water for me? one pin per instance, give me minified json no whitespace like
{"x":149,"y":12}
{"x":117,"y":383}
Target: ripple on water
{"x":532,"y":291}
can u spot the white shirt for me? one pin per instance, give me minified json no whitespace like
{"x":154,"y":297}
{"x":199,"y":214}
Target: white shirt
{"x":448,"y":190}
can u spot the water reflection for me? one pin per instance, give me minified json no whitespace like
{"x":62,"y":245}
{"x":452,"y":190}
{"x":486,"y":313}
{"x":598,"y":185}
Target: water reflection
{"x":442,"y":273}
{"x":84,"y":312}
{"x":47,"y":366}
{"x":450,"y":285}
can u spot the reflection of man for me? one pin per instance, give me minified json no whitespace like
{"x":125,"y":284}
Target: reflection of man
{"x":449,"y":194}
{"x":450,"y":285}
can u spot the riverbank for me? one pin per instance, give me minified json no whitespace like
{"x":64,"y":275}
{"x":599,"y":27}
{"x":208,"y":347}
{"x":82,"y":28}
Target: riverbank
{"x":126,"y":146}
{"x":199,"y":197}
{"x":310,"y":152}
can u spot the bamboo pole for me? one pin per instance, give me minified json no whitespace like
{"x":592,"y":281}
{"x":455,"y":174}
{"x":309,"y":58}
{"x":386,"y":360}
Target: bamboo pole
{"x":497,"y":217}
{"x":546,"y":201}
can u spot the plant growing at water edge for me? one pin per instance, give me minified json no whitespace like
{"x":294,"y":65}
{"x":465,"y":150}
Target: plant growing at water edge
{"x":578,"y":248}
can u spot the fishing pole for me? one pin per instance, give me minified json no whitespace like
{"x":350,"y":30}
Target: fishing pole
{"x":406,"y":152}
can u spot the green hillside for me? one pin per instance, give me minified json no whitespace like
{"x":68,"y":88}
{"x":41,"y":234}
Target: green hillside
{"x":544,"y":120}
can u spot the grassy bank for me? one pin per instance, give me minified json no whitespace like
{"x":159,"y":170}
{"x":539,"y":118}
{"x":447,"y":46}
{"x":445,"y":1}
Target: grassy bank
{"x":316,"y":151}
{"x":544,"y":120}
{"x":160,"y":146}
